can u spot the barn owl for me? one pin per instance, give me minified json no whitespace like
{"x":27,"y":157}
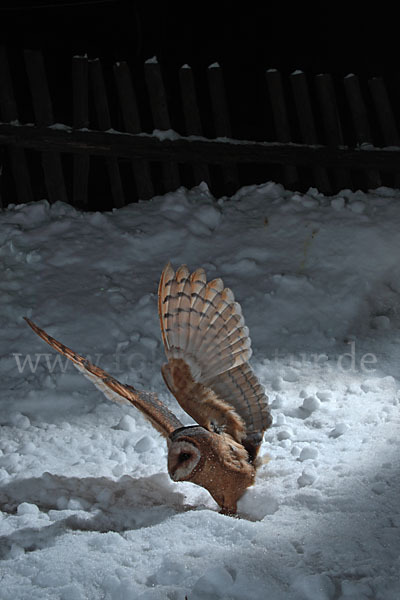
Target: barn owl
{"x":208,"y":347}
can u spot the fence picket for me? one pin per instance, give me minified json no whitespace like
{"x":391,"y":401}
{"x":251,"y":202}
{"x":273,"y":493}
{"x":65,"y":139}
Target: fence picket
{"x":9,"y":113}
{"x":281,"y":121}
{"x":43,"y":109}
{"x":80,"y":96}
{"x":307,"y":125}
{"x":221,"y":121}
{"x":161,"y":119}
{"x":331,"y":122}
{"x":360,"y":120}
{"x":192,"y":119}
{"x":384,"y":111}
{"x":385,"y":116}
{"x":131,"y":118}
{"x":104,"y":121}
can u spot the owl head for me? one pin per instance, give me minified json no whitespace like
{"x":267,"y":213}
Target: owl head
{"x":188,"y":448}
{"x":211,"y":460}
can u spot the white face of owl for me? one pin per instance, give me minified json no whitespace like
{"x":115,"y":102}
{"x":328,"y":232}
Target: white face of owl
{"x":183,"y":457}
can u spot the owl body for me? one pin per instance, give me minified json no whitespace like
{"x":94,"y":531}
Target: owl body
{"x":208,"y":347}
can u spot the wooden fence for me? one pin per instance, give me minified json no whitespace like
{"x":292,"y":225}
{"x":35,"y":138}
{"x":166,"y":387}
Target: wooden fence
{"x":140,"y":136}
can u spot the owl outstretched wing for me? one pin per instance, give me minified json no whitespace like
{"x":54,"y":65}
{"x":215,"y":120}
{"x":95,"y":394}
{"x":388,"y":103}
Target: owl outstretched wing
{"x":153,"y":409}
{"x":208,"y":347}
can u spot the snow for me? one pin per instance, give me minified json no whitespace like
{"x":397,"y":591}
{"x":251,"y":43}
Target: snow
{"x":88,"y":509}
{"x":165,"y":134}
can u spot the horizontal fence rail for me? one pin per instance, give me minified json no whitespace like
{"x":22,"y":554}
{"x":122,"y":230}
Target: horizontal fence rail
{"x":194,"y":149}
{"x":133,"y":132}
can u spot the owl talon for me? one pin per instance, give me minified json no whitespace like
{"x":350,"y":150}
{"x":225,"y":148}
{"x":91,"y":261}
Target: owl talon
{"x":229,"y":512}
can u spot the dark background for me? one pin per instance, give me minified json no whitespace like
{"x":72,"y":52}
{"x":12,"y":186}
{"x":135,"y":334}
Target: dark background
{"x":324,"y":36}
{"x":246,"y":38}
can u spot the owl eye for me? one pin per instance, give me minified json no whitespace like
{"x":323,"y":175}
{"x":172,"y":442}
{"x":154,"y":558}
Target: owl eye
{"x":183,"y":457}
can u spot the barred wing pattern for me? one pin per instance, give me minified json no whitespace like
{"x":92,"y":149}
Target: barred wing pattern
{"x":201,"y":323}
{"x":240,"y":387}
{"x":203,"y":326}
{"x":153,"y":409}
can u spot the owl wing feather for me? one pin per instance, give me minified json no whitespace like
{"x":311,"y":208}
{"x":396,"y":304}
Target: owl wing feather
{"x":203,"y":327}
{"x":208,"y":331}
{"x":240,"y":387}
{"x":149,"y":404}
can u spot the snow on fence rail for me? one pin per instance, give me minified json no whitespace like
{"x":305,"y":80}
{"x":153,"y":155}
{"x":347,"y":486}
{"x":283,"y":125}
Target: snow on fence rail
{"x":308,"y":105}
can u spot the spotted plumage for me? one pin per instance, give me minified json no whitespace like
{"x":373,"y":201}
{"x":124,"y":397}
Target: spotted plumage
{"x":208,"y":347}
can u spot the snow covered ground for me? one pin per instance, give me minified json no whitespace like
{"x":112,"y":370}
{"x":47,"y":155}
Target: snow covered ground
{"x":88,"y":510}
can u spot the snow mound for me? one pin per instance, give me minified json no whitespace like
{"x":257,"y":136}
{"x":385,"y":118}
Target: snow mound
{"x":87,"y":508}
